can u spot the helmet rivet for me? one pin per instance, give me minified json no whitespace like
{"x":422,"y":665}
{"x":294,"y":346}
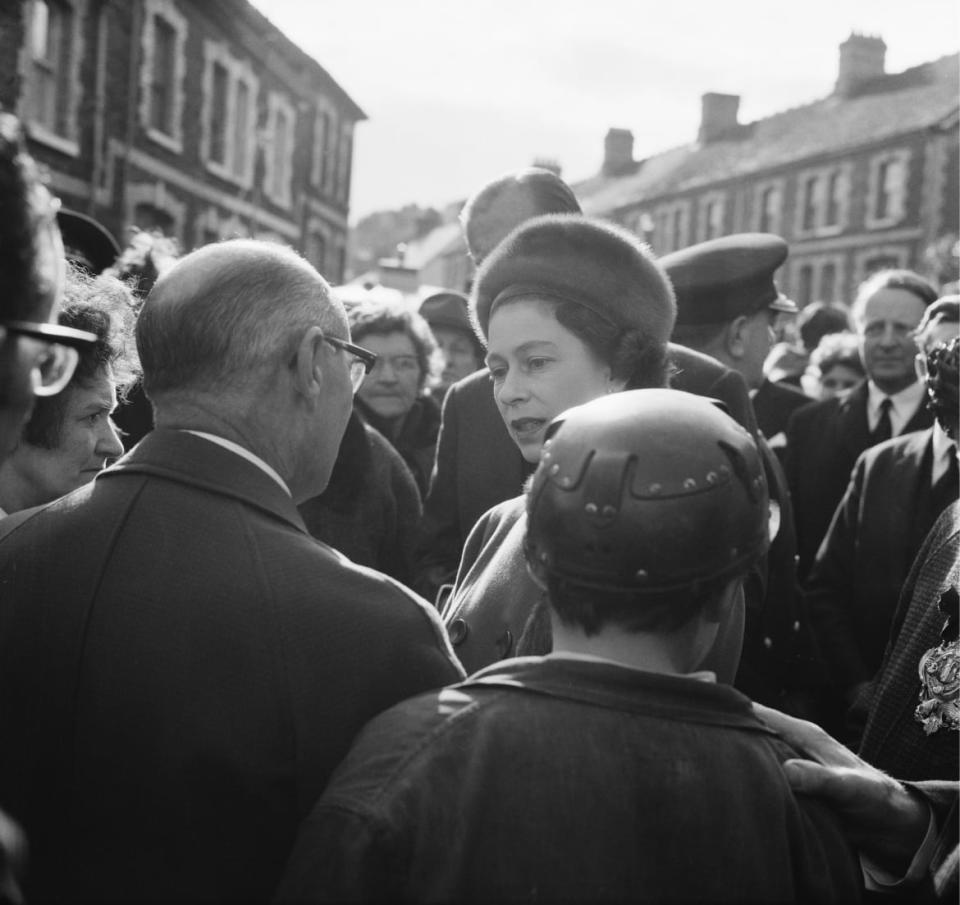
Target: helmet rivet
{"x":554,"y":469}
{"x":591,"y":508}
{"x":654,"y":488}
{"x":689,"y":484}
{"x":711,"y":477}
{"x":544,"y":557}
{"x":734,"y":551}
{"x":609,"y":511}
{"x":768,"y":643}
{"x":641,"y":575}
{"x":566,"y":481}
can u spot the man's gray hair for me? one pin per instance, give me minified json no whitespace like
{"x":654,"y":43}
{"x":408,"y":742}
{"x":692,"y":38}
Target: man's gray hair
{"x":228,"y":315}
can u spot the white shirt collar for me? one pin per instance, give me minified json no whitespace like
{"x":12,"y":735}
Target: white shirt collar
{"x":904,"y":405}
{"x":701,"y":675}
{"x":244,"y":453}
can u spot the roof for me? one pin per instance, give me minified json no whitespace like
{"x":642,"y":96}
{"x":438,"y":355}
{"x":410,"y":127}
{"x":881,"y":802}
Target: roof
{"x":882,"y":109}
{"x":272,"y":34}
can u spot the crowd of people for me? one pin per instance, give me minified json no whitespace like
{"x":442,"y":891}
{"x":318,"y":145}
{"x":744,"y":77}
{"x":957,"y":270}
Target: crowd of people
{"x":617,"y":578}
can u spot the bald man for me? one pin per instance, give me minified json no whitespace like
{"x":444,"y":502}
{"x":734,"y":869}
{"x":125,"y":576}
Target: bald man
{"x":180,"y":685}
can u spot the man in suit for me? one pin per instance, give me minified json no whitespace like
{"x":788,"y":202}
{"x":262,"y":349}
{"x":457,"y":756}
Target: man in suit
{"x":477,"y":464}
{"x":896,"y":492}
{"x":727,"y":301}
{"x":825,"y":438}
{"x":176,"y":699}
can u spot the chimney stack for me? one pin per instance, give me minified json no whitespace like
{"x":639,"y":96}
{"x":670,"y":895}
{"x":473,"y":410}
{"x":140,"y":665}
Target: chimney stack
{"x":861,"y":59}
{"x":718,"y":115}
{"x":618,"y":152}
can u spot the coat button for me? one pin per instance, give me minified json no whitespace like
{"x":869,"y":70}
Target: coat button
{"x":505,"y":644}
{"x":458,"y":631}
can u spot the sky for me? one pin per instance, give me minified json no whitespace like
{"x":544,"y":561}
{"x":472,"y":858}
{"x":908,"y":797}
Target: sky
{"x":459,"y":92}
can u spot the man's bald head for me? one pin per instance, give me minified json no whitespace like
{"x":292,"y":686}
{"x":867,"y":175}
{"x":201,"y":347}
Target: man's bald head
{"x":227,"y":315}
{"x":502,"y":205}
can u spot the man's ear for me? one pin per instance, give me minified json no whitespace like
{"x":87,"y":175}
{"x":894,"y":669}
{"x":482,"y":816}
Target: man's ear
{"x":308,"y":365}
{"x":734,"y":340}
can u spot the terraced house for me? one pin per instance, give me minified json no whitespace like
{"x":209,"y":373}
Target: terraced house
{"x":863,"y":179}
{"x":198,"y":118}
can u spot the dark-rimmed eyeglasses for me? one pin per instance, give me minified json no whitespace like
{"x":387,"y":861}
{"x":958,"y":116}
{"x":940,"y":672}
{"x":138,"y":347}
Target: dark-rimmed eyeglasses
{"x":361,"y":363}
{"x":55,"y":365}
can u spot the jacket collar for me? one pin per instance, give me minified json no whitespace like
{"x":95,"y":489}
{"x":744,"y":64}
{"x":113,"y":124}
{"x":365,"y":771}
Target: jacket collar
{"x":623,"y":688}
{"x":188,"y":459}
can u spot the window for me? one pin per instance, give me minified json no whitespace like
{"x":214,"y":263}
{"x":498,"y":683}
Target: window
{"x":218,"y":114}
{"x":810,"y":203}
{"x":887,"y":189}
{"x":321,"y":128}
{"x":52,"y":77}
{"x":823,"y":199}
{"x":330,"y":154}
{"x":346,"y":161}
{"x":818,"y":278}
{"x":768,"y":206}
{"x":278,"y":170}
{"x":229,"y":118}
{"x":162,"y":73}
{"x":712,"y":209}
{"x":673,"y":226}
{"x":828,"y":282}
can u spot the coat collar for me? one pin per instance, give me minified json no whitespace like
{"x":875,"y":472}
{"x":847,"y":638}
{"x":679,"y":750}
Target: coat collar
{"x":622,"y":688}
{"x":188,"y":459}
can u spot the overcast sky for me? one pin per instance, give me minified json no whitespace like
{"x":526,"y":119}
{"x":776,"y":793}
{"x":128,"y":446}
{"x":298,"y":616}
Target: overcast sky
{"x":459,"y":92}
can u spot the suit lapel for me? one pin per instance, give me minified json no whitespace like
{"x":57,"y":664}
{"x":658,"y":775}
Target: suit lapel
{"x":853,"y":430}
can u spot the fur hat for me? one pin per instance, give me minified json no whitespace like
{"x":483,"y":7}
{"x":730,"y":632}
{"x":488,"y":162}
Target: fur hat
{"x":569,"y":257}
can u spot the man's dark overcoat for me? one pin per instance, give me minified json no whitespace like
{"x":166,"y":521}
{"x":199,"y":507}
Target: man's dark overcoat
{"x":182,"y":668}
{"x":824,"y":440}
{"x":879,"y":526}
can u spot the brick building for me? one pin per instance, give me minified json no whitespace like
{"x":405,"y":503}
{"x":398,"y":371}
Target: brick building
{"x":198,"y":117}
{"x":862,"y":179}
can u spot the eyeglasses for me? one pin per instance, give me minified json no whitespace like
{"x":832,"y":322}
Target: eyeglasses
{"x":401,"y":364}
{"x":361,"y":363}
{"x":54,"y":366}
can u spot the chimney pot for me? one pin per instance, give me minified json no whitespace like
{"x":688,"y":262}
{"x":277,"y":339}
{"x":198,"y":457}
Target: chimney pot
{"x":718,"y":115}
{"x":862,"y":58}
{"x":618,"y":152}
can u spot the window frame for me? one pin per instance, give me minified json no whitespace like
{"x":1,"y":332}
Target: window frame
{"x":166,"y":10}
{"x":68,"y":141}
{"x":234,"y":168}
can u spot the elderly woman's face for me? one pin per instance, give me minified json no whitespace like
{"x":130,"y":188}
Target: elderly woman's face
{"x":393,"y":385}
{"x":539,"y":369}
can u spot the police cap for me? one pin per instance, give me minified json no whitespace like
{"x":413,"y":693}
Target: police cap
{"x":719,"y":280}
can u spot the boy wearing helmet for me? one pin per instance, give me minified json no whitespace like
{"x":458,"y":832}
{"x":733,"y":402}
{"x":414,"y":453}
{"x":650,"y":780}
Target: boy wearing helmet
{"x":611,"y":769}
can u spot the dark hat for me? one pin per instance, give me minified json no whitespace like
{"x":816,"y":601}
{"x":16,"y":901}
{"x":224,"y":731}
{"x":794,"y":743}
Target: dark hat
{"x":86,"y":242}
{"x":447,"y":309}
{"x":569,"y":257}
{"x":725,"y":278}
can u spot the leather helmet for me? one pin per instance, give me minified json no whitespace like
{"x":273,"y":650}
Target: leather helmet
{"x":647,"y":491}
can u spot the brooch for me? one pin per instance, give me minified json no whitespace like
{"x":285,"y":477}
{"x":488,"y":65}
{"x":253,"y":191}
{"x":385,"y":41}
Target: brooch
{"x":939,"y":671}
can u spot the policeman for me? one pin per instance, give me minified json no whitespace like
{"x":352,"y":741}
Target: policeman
{"x":727,"y":305}
{"x":605,"y":769}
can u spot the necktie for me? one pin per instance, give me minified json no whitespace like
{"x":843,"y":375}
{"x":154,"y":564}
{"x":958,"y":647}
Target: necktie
{"x":884,"y":429}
